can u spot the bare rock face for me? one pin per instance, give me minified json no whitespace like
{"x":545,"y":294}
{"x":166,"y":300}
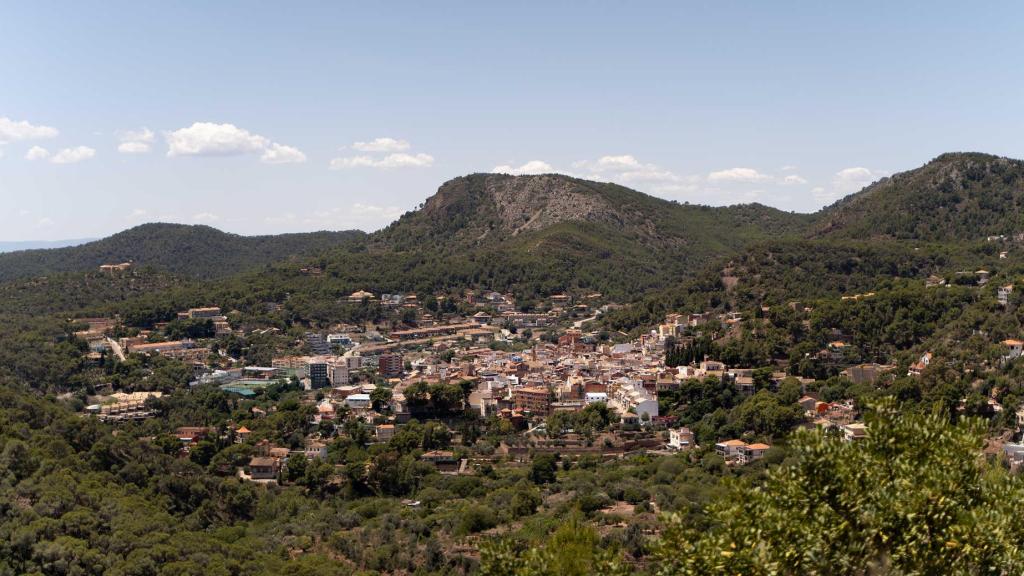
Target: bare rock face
{"x":579,"y":219}
{"x":517,"y":204}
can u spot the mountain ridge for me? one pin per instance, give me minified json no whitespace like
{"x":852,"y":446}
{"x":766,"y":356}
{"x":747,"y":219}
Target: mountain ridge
{"x":571,"y":228}
{"x":193,"y":250}
{"x":955,"y":196}
{"x":473,"y":207}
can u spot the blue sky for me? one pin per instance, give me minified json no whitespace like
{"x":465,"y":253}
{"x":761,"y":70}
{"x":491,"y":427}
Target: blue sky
{"x":277,"y":117}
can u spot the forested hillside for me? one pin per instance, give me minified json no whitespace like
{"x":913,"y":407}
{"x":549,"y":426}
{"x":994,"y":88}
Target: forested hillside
{"x":550,"y":233}
{"x":800,"y":270}
{"x":955,"y":197}
{"x":197,"y":251}
{"x":534,"y":234}
{"x":791,"y":302}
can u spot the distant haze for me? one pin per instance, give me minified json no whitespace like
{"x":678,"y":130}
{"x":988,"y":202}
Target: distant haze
{"x":35,"y":244}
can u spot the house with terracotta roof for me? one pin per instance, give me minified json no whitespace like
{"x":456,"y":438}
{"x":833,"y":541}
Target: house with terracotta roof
{"x":753,"y":452}
{"x":264,"y":468}
{"x":730,"y":448}
{"x":315,"y":449}
{"x":1014,"y":348}
{"x":444,"y":460}
{"x":855,"y":431}
{"x":385,"y":432}
{"x":242,"y":434}
{"x":360,"y":296}
{"x":918,"y":367}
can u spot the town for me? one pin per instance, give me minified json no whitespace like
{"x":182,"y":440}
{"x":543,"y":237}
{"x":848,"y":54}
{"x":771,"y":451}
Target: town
{"x":538,"y":382}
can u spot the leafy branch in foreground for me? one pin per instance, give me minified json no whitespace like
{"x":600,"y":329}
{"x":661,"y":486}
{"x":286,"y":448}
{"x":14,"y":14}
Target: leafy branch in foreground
{"x":914,"y":497}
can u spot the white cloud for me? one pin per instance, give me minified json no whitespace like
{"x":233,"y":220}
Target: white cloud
{"x":381,"y":145}
{"x":626,"y":169}
{"x":353,"y":162}
{"x":37,"y":153}
{"x":737,"y":175}
{"x":369,"y":210}
{"x":142,"y":135}
{"x":11,"y":131}
{"x":853,"y":179}
{"x":376,"y":159}
{"x":650,"y":173}
{"x":623,"y":162}
{"x":44,"y":222}
{"x":136,"y":141}
{"x":397,"y":160}
{"x":794,"y":179}
{"x":787,"y":168}
{"x":400,"y":160}
{"x":358,"y":215}
{"x":845,"y":182}
{"x":205,"y":217}
{"x":822,"y":196}
{"x":73,"y":155}
{"x":138,"y":214}
{"x":210,"y":139}
{"x":531,"y":167}
{"x":133,"y":148}
{"x":281,"y":154}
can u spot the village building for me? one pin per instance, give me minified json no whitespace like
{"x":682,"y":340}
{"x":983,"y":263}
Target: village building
{"x":680,"y":439}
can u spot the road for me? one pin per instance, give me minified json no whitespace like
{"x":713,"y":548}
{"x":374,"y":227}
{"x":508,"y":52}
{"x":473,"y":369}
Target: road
{"x":116,"y":348}
{"x":579,"y":323}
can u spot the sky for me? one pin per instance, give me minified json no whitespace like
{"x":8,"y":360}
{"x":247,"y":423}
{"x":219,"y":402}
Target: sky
{"x":270,"y":117}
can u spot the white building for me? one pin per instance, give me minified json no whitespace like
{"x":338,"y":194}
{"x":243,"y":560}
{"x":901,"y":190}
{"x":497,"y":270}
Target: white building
{"x":1014,"y":348}
{"x":358,"y":401}
{"x":855,"y":431}
{"x":339,"y":339}
{"x":630,"y":396}
{"x":1003,"y":294}
{"x":315,"y":450}
{"x":680,"y":439}
{"x":337,"y":372}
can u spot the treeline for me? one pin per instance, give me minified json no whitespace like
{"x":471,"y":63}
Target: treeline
{"x":954,"y":198}
{"x":807,"y":271}
{"x":692,"y":352}
{"x":193,"y":251}
{"x":868,"y":513}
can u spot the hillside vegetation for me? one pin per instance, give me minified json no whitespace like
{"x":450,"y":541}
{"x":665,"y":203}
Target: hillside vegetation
{"x":956,"y":197}
{"x":545,"y":234}
{"x":197,"y":251}
{"x":83,"y":496}
{"x":539,"y":234}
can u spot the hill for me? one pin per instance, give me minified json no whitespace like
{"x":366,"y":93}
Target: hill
{"x":540,"y":234}
{"x":197,"y":251}
{"x":493,"y":209}
{"x":955,"y":197}
{"x":537,"y":234}
{"x":930,"y":220}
